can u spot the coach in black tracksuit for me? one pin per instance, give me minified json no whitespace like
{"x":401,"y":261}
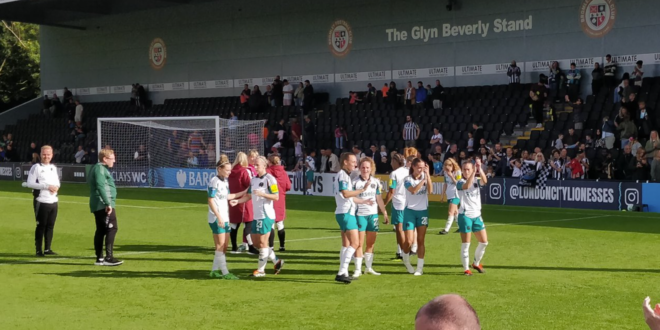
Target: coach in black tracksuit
{"x":45,"y":182}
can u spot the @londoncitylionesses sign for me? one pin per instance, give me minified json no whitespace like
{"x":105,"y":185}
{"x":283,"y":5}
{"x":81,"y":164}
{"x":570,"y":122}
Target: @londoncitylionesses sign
{"x":340,"y":38}
{"x":597,"y":17}
{"x":157,"y":54}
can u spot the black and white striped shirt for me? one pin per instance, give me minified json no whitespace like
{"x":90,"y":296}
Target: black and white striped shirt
{"x":514,"y":75}
{"x":410,"y":131}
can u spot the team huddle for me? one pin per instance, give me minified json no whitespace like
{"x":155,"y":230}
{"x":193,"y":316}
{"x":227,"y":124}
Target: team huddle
{"x":358,"y":196}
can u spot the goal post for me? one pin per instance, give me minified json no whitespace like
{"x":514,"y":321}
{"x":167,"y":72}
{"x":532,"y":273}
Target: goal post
{"x":174,"y":152}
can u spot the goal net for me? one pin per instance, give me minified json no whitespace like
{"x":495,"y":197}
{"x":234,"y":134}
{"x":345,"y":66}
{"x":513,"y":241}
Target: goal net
{"x":159,"y":151}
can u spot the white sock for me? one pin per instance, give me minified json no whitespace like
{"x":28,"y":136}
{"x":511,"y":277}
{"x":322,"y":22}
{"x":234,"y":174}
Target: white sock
{"x":368,"y":259}
{"x":420,"y":265}
{"x":223,"y":262}
{"x":341,"y":254}
{"x":479,"y":253}
{"x":216,"y":261}
{"x":263,"y":259}
{"x":248,"y":238}
{"x":398,"y":249}
{"x":406,"y":259}
{"x":272,"y":255}
{"x":346,"y":260}
{"x":358,"y":264}
{"x":465,"y":255}
{"x":450,"y":221}
{"x":413,"y":249}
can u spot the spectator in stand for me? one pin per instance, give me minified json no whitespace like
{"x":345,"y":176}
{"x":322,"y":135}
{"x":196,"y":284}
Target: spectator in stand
{"x":67,"y":95}
{"x":588,"y":141}
{"x":383,"y":165}
{"x":638,"y":74}
{"x":436,"y":138}
{"x":56,"y":108}
{"x":173,"y":141}
{"x":358,"y":152}
{"x":632,"y":105}
{"x":70,"y":110}
{"x":140,"y":156}
{"x":79,"y":112}
{"x":555,"y":81}
{"x":573,"y":84}
{"x":329,"y":162}
{"x":46,"y":106}
{"x":451,"y":153}
{"x":296,"y":129}
{"x":497,"y":154}
{"x":340,"y":137}
{"x":557,"y":165}
{"x":371,"y":93}
{"x":609,"y":71}
{"x":299,"y":95}
{"x":202,"y":159}
{"x":628,"y":129}
{"x":192,"y":160}
{"x":608,"y":130}
{"x":597,"y":76}
{"x":392,"y":95}
{"x":504,"y":168}
{"x":373,"y":153}
{"x":269,"y":96}
{"x":655,"y":167}
{"x":578,"y":114}
{"x":280,"y":129}
{"x":277,"y":95}
{"x":639,"y":166}
{"x":354,"y":98}
{"x":35,"y":158}
{"x":438,"y":95}
{"x":79,"y":133}
{"x":482,"y":144}
{"x":577,"y":170}
{"x":513,"y":72}
{"x":462,"y":157}
{"x":33,"y":149}
{"x":516,"y":165}
{"x":308,"y":98}
{"x":634,"y":145}
{"x":210,"y":153}
{"x":384,"y":90}
{"x":80,"y":154}
{"x":255,"y":100}
{"x":142,"y":96}
{"x":309,"y":138}
{"x":287,"y":91}
{"x":10,"y":154}
{"x":621,"y":170}
{"x":3,"y":153}
{"x":643,"y":122}
{"x":571,"y":140}
{"x":652,"y":146}
{"x":420,"y":95}
{"x":477,"y":132}
{"x":538,"y":94}
{"x":470,"y":142}
{"x":245,"y":97}
{"x":410,"y":132}
{"x":196,"y":142}
{"x":409,"y":96}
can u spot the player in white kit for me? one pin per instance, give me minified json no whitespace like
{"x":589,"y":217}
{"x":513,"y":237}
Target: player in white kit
{"x":452,"y":176}
{"x":346,"y":199}
{"x":397,"y":194}
{"x":218,"y":217}
{"x":469,"y":215}
{"x":367,"y":215}
{"x":416,"y":216}
{"x":263,"y":191}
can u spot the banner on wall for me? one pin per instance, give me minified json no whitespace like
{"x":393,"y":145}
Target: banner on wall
{"x":363,"y":76}
{"x":564,"y":64}
{"x":445,"y":71}
{"x":211,"y":84}
{"x":564,"y":194}
{"x":471,"y":70}
{"x":167,"y":87}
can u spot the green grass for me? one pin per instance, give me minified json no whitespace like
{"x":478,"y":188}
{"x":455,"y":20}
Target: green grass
{"x":546,"y":269}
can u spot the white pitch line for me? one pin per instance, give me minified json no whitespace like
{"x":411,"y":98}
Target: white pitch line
{"x":290,"y":241}
{"x":120,"y":205}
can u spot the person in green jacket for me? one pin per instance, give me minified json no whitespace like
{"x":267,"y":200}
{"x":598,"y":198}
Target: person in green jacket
{"x":102,"y":197}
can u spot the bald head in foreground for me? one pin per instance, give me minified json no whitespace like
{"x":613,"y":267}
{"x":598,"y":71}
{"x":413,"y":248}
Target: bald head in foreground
{"x":447,"y":312}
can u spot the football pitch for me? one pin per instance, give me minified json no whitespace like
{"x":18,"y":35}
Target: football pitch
{"x":545,"y":269}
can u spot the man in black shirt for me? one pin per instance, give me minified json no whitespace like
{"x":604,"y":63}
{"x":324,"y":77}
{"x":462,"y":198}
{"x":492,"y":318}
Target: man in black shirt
{"x":538,"y":94}
{"x":277,"y":92}
{"x":310,"y":133}
{"x":438,"y":95}
{"x":308,"y":100}
{"x":477,"y":133}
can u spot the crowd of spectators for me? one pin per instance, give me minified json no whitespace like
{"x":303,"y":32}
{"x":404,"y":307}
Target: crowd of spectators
{"x":279,"y":93}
